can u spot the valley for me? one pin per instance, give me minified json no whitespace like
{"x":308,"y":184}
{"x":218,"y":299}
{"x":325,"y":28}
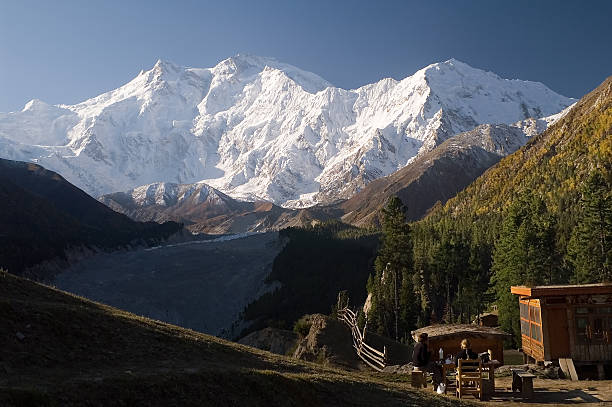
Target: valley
{"x":203,"y":285}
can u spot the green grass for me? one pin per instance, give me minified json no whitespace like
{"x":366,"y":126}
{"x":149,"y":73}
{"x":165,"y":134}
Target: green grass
{"x":77,"y":352}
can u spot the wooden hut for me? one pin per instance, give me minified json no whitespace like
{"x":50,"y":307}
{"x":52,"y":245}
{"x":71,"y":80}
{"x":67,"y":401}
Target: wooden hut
{"x":449,"y":336}
{"x":487,"y":319}
{"x":567,"y":321}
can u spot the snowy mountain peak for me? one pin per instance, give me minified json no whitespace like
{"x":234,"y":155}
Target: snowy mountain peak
{"x":256,"y":128}
{"x":168,"y":194}
{"x":246,"y":65}
{"x":35,"y":104}
{"x":162,"y":67}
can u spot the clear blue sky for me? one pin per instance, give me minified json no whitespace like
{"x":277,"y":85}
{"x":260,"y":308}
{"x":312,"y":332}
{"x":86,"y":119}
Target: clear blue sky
{"x":67,"y":51}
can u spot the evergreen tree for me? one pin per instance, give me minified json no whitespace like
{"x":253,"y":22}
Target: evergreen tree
{"x":524,"y":254}
{"x":393,"y":300}
{"x":590,"y":248}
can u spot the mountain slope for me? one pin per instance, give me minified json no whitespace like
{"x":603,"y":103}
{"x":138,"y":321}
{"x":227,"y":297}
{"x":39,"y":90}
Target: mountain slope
{"x":59,"y":349}
{"x":42,"y":215}
{"x":434,"y":176}
{"x":552,"y":165}
{"x":255,"y":128}
{"x":442,"y":172}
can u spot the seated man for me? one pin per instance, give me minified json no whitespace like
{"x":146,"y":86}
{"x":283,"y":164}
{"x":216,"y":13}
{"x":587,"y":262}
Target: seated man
{"x":421,"y":359}
{"x":466,"y":352}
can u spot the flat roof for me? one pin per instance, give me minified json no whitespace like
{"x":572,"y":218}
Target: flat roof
{"x":441,"y":330}
{"x":549,"y":290}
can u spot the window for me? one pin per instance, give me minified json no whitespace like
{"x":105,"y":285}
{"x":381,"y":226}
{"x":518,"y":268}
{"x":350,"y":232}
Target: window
{"x":582,"y":324}
{"x":534,"y":314}
{"x":593,"y":325}
{"x":524,"y":310}
{"x":524,"y":327}
{"x":597,"y":333}
{"x":536,"y":332}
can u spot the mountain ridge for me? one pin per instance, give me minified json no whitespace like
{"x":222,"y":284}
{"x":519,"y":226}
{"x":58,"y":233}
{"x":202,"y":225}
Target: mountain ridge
{"x":434,"y":176}
{"x":255,"y":128}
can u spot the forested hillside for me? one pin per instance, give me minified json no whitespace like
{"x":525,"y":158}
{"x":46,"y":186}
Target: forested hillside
{"x":542,"y":215}
{"x":317,"y":262}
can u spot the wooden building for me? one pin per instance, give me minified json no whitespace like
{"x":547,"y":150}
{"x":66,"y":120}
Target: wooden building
{"x":449,"y":336}
{"x":487,"y":319}
{"x":567,"y":321}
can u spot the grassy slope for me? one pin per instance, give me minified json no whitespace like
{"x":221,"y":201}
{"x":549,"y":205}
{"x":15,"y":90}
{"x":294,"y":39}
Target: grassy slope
{"x":77,"y":352}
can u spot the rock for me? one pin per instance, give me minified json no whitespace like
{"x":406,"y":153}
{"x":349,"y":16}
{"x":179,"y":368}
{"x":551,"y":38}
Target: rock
{"x":20,"y":336}
{"x":552,"y":372}
{"x":399,"y":369}
{"x":328,"y":342}
{"x":545,"y":372}
{"x":273,"y":340}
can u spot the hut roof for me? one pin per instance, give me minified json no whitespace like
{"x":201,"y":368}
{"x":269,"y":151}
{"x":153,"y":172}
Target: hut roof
{"x":441,"y":330}
{"x":548,"y":290}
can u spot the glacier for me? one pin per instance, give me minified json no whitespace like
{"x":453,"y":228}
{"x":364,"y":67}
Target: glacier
{"x":255,"y":128}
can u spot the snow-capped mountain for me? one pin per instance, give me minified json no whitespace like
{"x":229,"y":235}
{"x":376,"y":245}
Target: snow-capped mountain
{"x":255,"y":128}
{"x":201,"y":208}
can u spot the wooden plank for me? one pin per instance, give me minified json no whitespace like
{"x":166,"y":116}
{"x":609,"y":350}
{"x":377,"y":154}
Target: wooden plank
{"x":542,"y":291}
{"x":572,"y":369}
{"x":563,"y":366}
{"x":568,"y":368}
{"x":379,"y":353}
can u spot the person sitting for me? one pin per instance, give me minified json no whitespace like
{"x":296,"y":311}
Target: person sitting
{"x":421,"y":359}
{"x":466,"y":352}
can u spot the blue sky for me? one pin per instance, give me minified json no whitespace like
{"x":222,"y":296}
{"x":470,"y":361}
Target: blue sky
{"x":67,"y":51}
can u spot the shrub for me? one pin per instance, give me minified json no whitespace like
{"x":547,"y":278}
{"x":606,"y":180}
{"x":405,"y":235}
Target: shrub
{"x":302,"y":326}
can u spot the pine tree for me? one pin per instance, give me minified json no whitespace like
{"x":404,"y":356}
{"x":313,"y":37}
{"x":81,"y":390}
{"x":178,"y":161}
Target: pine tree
{"x":393,"y":300}
{"x":590,"y":248}
{"x":524,"y":254}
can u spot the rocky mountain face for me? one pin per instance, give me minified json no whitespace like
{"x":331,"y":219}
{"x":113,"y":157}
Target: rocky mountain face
{"x":203,"y":209}
{"x":434,"y":176}
{"x":257,"y":129}
{"x":441,"y":173}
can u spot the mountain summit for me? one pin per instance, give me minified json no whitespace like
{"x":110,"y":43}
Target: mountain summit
{"x":255,"y":128}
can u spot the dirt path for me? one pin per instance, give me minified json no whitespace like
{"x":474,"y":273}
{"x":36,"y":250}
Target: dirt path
{"x":548,"y":392}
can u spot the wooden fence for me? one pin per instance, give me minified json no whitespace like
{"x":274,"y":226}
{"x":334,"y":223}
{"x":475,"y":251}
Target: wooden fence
{"x":374,"y":358}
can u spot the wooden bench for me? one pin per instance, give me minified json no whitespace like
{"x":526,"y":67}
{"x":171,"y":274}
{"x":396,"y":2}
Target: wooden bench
{"x":522,"y":381}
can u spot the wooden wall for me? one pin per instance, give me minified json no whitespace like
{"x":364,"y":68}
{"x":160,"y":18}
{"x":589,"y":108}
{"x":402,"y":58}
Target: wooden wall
{"x":588,"y":351}
{"x":561,"y":335}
